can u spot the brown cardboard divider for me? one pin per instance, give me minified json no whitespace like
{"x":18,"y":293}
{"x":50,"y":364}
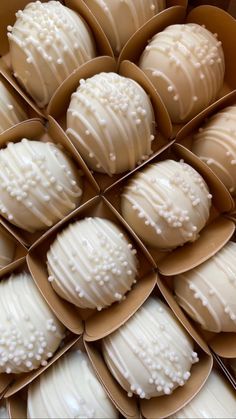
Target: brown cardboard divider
{"x":163,"y":406}
{"x":215,"y":19}
{"x":35,"y":130}
{"x":224,"y":345}
{"x":225,"y":367}
{"x":59,"y":104}
{"x":7,"y":17}
{"x":19,"y":255}
{"x":215,"y":234}
{"x":26,"y":379}
{"x":69,"y":314}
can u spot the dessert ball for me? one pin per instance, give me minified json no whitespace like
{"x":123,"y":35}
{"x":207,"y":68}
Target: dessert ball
{"x":166,"y":204}
{"x":216,"y":400}
{"x":151,"y":354}
{"x":110,"y":120}
{"x":73,"y":390}
{"x":132,"y":14}
{"x":7,"y":248}
{"x":30,"y":333}
{"x":47,"y":42}
{"x":91,"y":263}
{"x":208,"y":293}
{"x":39,"y":184}
{"x":11,"y":113}
{"x":215,"y":144}
{"x":186,"y":65}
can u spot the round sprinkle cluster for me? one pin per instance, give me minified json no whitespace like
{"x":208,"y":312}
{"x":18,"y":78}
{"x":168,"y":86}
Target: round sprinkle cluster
{"x":151,"y":354}
{"x":111,"y":121}
{"x":29,"y":331}
{"x":92,"y":264}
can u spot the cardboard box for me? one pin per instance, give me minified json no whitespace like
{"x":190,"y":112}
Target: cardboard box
{"x":59,"y":104}
{"x":215,"y":19}
{"x":71,"y":315}
{"x":11,"y":383}
{"x":35,"y":130}
{"x":212,"y":237}
{"x":157,"y":407}
{"x":19,"y":253}
{"x":7,"y":17}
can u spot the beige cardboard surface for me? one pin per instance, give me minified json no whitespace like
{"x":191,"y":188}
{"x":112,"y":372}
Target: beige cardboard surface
{"x":216,"y":233}
{"x":215,"y":19}
{"x":225,"y":367}
{"x":35,"y":130}
{"x":158,"y":407}
{"x":69,"y":314}
{"x":7,"y":17}
{"x":59,"y":104}
{"x":19,"y":255}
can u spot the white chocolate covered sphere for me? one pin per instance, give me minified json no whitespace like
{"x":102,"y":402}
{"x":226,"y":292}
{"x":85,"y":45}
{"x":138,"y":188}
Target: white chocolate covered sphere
{"x":166,"y":204}
{"x":208,"y":292}
{"x":216,"y":400}
{"x":91,"y":263}
{"x":11,"y":113}
{"x":7,"y":248}
{"x":47,"y":42}
{"x":69,"y":389}
{"x":30,"y":333}
{"x":186,"y":65}
{"x":39,"y":184}
{"x":215,"y":144}
{"x":151,"y":354}
{"x":110,"y":120}
{"x":132,"y":14}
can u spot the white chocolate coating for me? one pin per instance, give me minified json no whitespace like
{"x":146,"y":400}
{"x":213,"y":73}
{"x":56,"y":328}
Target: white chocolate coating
{"x":47,"y":42}
{"x":30,"y":333}
{"x":132,"y":14}
{"x":151,"y":354}
{"x":91,"y":263}
{"x":215,"y":144}
{"x":215,"y":400}
{"x":7,"y":248}
{"x":110,"y":120}
{"x":69,"y":389}
{"x":39,"y":184}
{"x":11,"y":113}
{"x":208,"y":293}
{"x":186,"y":65}
{"x":166,"y":204}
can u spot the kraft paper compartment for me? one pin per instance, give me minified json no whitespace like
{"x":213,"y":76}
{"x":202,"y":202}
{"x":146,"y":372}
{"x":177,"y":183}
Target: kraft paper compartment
{"x":67,"y":312}
{"x":186,"y":134}
{"x":7,"y":17}
{"x":212,"y":237}
{"x":35,"y":130}
{"x":215,"y":19}
{"x":19,"y":254}
{"x":11,"y":383}
{"x":225,"y":366}
{"x":59,"y":104}
{"x":163,"y":406}
{"x":17,"y":404}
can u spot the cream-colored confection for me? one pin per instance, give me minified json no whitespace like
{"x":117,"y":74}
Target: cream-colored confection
{"x":233,"y":365}
{"x":186,"y":65}
{"x":111,"y":121}
{"x":151,"y":354}
{"x":69,"y":389}
{"x":215,"y":144}
{"x":47,"y":42}
{"x":11,"y":113}
{"x":166,"y":204}
{"x":132,"y":14}
{"x":29,"y":331}
{"x":91,"y":263}
{"x":7,"y":248}
{"x":208,"y":293}
{"x":39,"y":184}
{"x":3,"y":412}
{"x":215,"y":400}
